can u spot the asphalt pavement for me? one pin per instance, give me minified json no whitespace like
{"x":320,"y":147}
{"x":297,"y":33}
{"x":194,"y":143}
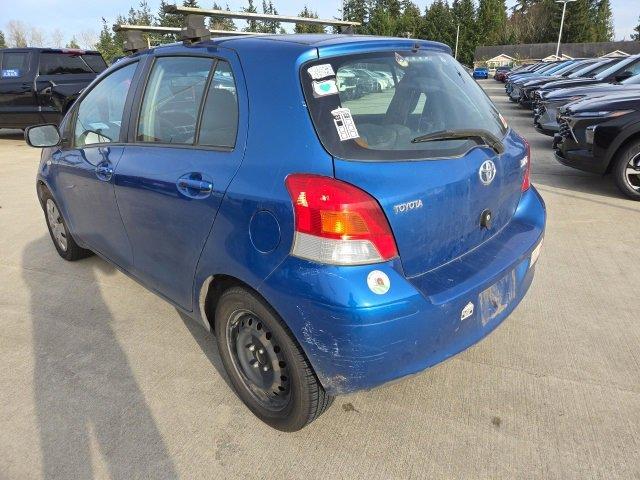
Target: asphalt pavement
{"x":102,"y":379}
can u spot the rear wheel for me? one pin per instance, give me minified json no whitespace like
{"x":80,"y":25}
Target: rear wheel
{"x":63,"y":240}
{"x":626,"y":171}
{"x":267,"y":368}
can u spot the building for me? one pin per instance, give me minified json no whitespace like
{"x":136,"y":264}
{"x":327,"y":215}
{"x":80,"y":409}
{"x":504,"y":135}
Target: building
{"x":532,"y":52}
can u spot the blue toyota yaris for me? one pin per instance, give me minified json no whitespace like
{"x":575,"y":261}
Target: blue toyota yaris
{"x":333,"y":236}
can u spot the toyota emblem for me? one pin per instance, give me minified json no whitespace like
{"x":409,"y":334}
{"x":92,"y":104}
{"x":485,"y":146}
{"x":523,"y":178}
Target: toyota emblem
{"x":487,"y":172}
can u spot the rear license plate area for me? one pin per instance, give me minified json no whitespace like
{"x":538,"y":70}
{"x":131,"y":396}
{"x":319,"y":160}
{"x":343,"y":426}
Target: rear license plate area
{"x":495,"y":299}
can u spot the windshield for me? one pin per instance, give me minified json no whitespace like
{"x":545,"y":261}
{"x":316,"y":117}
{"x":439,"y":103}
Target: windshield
{"x":556,"y":68}
{"x":614,"y":68}
{"x":373,"y":106}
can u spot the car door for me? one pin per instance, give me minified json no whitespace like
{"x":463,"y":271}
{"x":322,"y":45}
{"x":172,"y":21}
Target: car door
{"x":187,"y":143}
{"x":85,"y":164}
{"x":18,"y":106}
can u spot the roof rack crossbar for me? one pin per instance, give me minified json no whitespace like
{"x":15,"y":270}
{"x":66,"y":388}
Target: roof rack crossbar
{"x":176,"y":30}
{"x":256,"y":16}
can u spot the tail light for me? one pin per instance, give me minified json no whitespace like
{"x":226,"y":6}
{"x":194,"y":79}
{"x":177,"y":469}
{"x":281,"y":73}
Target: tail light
{"x":526,"y":180}
{"x":338,"y":223}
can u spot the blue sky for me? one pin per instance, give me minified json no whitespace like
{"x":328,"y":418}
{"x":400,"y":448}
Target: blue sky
{"x":72,"y":17}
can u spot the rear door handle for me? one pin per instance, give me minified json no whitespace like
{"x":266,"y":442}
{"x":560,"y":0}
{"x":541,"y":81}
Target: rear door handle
{"x":200,"y":185}
{"x":195,"y":185}
{"x":104,"y":171}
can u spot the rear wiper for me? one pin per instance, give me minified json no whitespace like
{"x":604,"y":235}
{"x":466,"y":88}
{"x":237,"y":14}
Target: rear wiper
{"x":482,"y":137}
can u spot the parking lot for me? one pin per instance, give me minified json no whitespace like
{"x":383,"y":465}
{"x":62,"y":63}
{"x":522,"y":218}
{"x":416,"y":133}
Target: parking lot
{"x":102,"y":379}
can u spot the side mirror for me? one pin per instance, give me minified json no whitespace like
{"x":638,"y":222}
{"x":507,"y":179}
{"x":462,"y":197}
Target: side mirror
{"x":623,"y":76}
{"x":42,"y":136}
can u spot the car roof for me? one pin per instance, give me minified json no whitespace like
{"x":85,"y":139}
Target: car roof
{"x":333,"y":43}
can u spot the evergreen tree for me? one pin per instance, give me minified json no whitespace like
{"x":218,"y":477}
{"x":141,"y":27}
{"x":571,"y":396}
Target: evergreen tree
{"x":308,"y":27}
{"x":438,"y":24}
{"x":464,"y":14}
{"x":268,"y":26}
{"x":636,"y":36}
{"x":603,"y":27}
{"x":578,"y":22}
{"x":3,"y":43}
{"x":73,"y":43}
{"x":106,"y":44}
{"x":381,"y":20}
{"x":409,"y":21}
{"x":355,"y":11}
{"x":492,"y":22}
{"x":221,"y":23}
{"x":252,"y":25}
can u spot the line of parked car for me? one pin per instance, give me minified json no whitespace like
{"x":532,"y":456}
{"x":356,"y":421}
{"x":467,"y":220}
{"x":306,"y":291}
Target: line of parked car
{"x":591,"y":108}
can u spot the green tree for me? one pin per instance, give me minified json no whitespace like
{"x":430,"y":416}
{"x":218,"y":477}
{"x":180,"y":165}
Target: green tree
{"x":252,"y":25}
{"x":464,"y":14}
{"x":636,"y":36}
{"x":268,"y":26}
{"x":579,"y":22}
{"x":308,"y":27}
{"x":492,"y":22}
{"x":106,"y":44}
{"x":410,"y":20}
{"x":603,"y":27}
{"x":381,"y":20}
{"x":355,"y":11}
{"x":3,"y":43}
{"x":221,"y":23}
{"x":438,"y":23}
{"x":73,"y":43}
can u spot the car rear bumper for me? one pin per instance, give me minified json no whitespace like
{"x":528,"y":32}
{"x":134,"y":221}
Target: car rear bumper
{"x":356,"y":339}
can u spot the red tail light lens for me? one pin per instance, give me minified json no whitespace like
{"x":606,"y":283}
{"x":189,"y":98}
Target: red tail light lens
{"x":526,"y":181}
{"x":338,"y":223}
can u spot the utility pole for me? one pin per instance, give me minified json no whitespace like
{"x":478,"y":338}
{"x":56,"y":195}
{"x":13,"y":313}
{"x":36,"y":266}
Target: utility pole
{"x":457,"y":37}
{"x":564,"y":10}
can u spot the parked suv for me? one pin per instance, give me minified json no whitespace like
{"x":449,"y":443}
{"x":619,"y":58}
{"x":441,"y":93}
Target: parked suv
{"x":332,"y":243}
{"x":39,"y":84}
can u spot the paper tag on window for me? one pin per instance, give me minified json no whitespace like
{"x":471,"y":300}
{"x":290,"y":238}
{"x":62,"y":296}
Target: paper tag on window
{"x":321,"y":71}
{"x":10,"y":73}
{"x":325,"y":87}
{"x":344,"y":123}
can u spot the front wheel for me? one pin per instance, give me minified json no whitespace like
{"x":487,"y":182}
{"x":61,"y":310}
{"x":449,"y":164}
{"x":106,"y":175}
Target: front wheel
{"x":267,"y":368}
{"x":626,"y":171}
{"x":65,"y":245}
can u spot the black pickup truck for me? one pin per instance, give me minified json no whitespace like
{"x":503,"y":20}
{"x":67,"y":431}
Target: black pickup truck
{"x":38,"y":85}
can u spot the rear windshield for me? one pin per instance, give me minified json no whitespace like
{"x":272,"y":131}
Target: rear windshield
{"x":70,"y":63}
{"x":371,"y":106}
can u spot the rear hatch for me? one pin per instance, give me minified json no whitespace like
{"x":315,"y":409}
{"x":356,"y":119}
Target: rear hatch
{"x":395,"y":144}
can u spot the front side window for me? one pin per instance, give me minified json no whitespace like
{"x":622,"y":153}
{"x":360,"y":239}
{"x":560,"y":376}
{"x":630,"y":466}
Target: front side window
{"x":377,"y":106}
{"x":14,"y":64}
{"x":62,"y":64}
{"x":100,"y":114}
{"x":219,"y":124}
{"x":172,"y":100}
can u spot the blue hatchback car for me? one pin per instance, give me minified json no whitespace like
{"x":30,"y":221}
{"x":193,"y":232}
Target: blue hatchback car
{"x":332,"y":242}
{"x":481,"y":72}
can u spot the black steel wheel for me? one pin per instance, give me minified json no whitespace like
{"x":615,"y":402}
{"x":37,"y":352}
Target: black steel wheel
{"x":266,"y":366}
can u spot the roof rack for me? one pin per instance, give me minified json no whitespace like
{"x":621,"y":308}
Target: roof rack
{"x":348,"y":25}
{"x":125,"y":27}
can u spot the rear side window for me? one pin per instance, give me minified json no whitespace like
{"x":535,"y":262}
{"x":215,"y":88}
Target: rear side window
{"x":219,"y":124}
{"x":99,"y":118}
{"x":172,"y":100}
{"x":95,"y":61}
{"x":62,"y":64}
{"x":14,"y":64}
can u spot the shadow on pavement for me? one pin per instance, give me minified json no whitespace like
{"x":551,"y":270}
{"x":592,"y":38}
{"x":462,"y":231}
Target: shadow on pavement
{"x":85,"y":392}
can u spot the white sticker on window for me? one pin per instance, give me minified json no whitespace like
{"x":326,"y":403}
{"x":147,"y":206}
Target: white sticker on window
{"x":321,"y":71}
{"x":344,"y":123}
{"x":325,"y":87}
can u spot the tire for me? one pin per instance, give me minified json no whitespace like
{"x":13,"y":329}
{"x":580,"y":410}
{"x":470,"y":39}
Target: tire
{"x":251,"y":338}
{"x":62,"y":239}
{"x":628,"y":160}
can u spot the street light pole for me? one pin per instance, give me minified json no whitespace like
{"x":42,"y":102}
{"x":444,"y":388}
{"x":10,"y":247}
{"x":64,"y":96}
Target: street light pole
{"x":564,"y":10}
